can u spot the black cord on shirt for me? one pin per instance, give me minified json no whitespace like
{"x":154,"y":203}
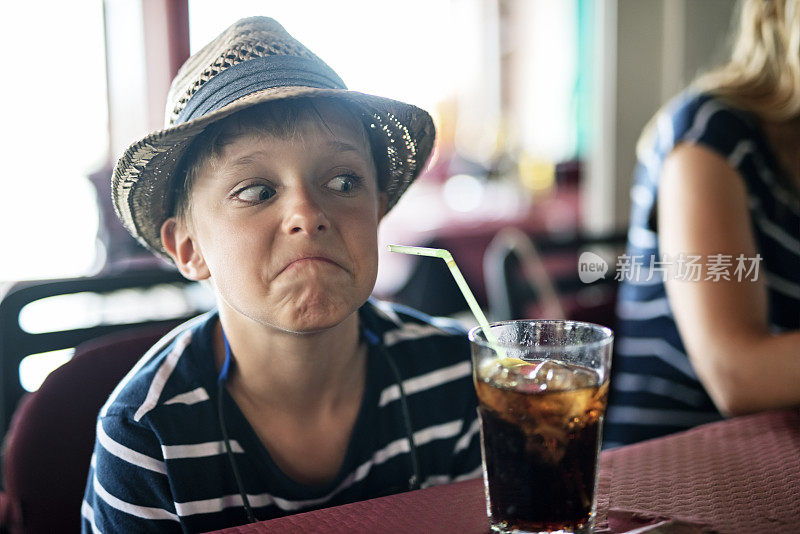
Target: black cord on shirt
{"x":245,"y":501}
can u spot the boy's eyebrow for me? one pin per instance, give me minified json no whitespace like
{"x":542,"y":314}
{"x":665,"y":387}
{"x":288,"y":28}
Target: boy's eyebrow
{"x":247,"y":158}
{"x":336,"y":145}
{"x":343,"y":146}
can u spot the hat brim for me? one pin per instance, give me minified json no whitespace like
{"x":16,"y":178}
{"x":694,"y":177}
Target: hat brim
{"x":143,"y":176}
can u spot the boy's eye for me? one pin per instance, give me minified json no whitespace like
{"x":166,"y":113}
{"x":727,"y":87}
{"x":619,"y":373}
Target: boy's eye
{"x":255,"y":193}
{"x":344,"y":183}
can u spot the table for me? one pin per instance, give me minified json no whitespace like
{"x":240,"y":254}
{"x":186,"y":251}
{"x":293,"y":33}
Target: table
{"x":738,"y":475}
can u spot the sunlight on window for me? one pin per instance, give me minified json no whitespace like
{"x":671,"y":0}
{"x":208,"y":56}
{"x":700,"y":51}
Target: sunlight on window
{"x":58,"y":127}
{"x":34,"y":369}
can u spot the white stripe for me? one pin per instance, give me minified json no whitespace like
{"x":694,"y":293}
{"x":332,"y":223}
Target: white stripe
{"x":385,"y":309}
{"x":285,"y":504}
{"x":641,"y":196}
{"x":199,"y":450}
{"x":475,"y":473}
{"x":628,"y":415}
{"x":88,"y":514}
{"x":162,"y":375}
{"x":463,"y":441}
{"x":652,"y":163}
{"x":398,"y":446}
{"x":781,"y":285}
{"x":785,"y":198}
{"x":217,"y":504}
{"x":425,"y":382}
{"x":438,"y":480}
{"x":189,"y":398}
{"x":767,"y":176}
{"x":778,"y":234}
{"x":743,"y":148}
{"x":410,"y":331}
{"x":644,"y":347}
{"x":380,"y":456}
{"x":210,"y":506}
{"x":643,"y":310}
{"x":642,"y":237}
{"x":144,"y":512}
{"x":666,"y":133}
{"x":126,"y":454}
{"x":630,"y":382}
{"x":432,"y":433}
{"x":642,"y":280}
{"x":154,"y":350}
{"x":701,"y":118}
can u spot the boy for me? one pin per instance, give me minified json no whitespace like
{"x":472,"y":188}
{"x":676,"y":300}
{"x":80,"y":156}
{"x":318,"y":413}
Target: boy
{"x":299,"y":391}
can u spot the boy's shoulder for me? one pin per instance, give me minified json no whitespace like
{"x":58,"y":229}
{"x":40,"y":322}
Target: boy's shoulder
{"x":392,"y":319}
{"x":415,"y":336}
{"x":167,"y":373}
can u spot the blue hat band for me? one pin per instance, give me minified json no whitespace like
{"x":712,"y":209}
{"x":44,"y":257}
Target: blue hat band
{"x":255,"y":75}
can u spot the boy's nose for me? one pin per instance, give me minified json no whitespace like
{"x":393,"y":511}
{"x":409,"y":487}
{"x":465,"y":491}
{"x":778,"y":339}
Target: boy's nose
{"x":305,"y":215}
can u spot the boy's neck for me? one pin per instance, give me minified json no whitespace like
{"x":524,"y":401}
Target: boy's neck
{"x":293,"y":373}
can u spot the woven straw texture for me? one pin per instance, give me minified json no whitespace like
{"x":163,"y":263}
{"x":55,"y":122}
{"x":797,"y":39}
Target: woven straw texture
{"x":144,"y":174}
{"x":735,"y":476}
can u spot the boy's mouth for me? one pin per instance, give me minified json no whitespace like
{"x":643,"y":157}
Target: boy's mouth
{"x":309,"y":260}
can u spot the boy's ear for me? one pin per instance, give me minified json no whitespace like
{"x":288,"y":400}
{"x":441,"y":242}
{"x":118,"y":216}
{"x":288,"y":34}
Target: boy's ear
{"x":182,"y":248}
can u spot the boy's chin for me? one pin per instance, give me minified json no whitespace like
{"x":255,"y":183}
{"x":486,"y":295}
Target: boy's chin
{"x":314,"y":317}
{"x":308,"y":325}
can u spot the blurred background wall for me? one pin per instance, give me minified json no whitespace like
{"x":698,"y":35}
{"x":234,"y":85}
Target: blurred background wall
{"x":650,"y":50}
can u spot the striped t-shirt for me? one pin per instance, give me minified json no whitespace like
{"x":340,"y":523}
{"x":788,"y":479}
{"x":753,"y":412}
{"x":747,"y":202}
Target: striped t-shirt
{"x":655,"y":390}
{"x":159,"y":463}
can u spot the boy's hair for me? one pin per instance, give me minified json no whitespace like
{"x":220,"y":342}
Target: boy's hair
{"x":279,"y":119}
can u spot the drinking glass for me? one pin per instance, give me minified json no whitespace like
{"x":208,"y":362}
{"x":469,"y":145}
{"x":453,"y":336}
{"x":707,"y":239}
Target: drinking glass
{"x":542,"y":390}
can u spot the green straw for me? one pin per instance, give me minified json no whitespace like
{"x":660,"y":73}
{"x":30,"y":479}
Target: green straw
{"x":462,"y":285}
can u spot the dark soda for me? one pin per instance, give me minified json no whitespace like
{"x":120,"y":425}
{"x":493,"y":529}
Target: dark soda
{"x":541,"y":436}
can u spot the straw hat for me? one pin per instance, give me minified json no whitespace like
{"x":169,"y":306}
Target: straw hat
{"x":253,"y":61}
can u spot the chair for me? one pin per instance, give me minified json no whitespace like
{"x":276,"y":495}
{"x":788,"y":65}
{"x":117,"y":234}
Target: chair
{"x":513,"y":267}
{"x":50,"y":441}
{"x":113,"y":303}
{"x":541,"y":279}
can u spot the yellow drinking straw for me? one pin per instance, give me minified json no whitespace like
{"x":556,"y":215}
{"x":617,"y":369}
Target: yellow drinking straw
{"x":462,"y":285}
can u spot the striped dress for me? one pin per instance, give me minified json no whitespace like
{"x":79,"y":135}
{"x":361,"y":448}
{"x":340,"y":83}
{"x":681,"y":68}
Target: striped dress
{"x":159,"y":463}
{"x":655,"y":390}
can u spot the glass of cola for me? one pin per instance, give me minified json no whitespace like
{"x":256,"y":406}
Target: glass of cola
{"x":542,"y":390}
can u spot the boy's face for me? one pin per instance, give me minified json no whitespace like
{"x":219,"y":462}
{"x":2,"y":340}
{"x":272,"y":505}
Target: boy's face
{"x":286,"y":228}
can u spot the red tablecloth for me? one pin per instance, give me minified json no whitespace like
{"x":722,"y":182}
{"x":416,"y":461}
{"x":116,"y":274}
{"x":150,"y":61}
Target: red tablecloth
{"x":739,"y":475}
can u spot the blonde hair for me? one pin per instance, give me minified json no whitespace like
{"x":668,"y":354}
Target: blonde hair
{"x":763,"y":74}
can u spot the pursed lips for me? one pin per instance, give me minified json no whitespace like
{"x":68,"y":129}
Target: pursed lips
{"x":309,"y":259}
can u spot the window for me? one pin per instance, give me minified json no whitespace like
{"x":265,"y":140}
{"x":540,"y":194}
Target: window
{"x":55,"y":135}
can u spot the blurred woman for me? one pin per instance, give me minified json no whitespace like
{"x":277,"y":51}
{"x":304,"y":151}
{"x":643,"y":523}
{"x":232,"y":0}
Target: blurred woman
{"x":709,"y":313}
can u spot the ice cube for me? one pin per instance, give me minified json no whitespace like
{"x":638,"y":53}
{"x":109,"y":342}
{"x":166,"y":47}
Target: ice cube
{"x":554,"y":376}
